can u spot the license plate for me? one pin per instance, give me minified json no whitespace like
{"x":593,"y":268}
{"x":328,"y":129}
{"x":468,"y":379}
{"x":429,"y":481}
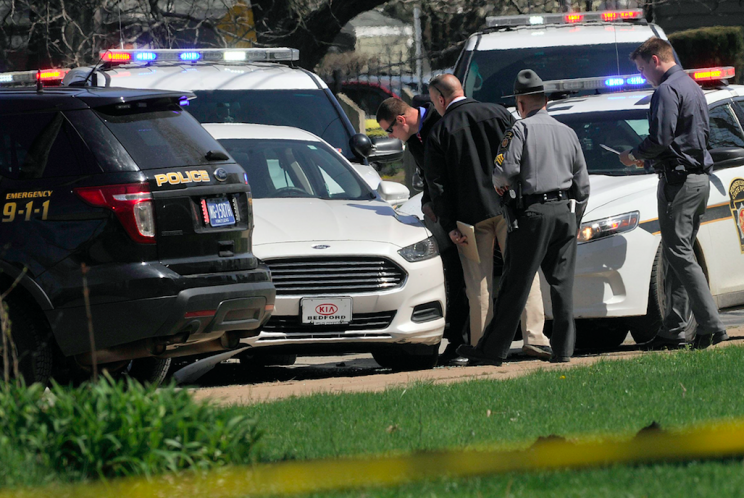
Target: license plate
{"x":326,"y":310}
{"x":220,"y":212}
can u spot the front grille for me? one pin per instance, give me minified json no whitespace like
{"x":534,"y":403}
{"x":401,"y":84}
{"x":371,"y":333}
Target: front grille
{"x":359,"y":321}
{"x":317,"y":276}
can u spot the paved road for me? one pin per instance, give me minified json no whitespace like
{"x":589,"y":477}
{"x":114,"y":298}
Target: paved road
{"x":231,"y":382}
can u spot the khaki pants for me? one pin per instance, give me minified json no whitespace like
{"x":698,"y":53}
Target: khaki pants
{"x":479,"y":286}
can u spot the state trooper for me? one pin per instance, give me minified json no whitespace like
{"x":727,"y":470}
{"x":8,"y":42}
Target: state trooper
{"x":541,"y":160}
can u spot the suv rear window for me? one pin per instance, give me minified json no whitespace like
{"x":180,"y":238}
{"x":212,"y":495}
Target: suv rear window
{"x":492,"y":73}
{"x":158,"y":137}
{"x":310,"y":110}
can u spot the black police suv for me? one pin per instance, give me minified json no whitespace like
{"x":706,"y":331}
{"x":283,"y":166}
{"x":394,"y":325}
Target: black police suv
{"x":121,"y":214}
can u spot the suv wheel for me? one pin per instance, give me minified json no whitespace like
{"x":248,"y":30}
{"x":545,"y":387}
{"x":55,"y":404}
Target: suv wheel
{"x":397,"y":358}
{"x":32,"y":339}
{"x":149,"y":370}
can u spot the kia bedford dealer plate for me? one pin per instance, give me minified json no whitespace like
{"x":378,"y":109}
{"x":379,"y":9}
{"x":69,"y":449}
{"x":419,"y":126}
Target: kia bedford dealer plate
{"x":326,"y":310}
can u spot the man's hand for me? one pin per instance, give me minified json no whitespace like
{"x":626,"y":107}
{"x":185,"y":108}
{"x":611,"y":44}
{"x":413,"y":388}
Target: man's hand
{"x":429,"y":212}
{"x":627,"y":161}
{"x":502,"y":190}
{"x":458,"y":238}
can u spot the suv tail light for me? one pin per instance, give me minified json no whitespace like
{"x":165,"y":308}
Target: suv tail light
{"x":132,"y":204}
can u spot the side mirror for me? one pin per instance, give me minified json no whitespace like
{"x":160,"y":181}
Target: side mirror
{"x":361,"y":145}
{"x":724,"y":157}
{"x":386,"y":150}
{"x":392,"y":192}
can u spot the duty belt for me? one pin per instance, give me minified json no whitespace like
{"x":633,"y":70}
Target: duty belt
{"x":556,"y":195}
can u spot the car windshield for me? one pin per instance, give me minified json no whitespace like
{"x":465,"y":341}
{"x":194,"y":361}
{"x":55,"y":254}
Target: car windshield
{"x":492,"y":73}
{"x":294,"y":168}
{"x":619,"y":130}
{"x":310,"y":110}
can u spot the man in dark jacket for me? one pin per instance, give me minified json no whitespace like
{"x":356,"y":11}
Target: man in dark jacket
{"x":458,"y":166}
{"x":412,"y":125}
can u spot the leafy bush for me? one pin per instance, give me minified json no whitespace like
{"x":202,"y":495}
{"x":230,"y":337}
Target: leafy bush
{"x":714,"y":46}
{"x":109,"y":429}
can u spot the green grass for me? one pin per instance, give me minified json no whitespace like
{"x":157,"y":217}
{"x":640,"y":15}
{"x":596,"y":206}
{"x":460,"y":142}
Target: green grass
{"x":611,"y":397}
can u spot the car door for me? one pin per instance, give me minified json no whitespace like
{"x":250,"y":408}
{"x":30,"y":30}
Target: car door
{"x":723,"y":225}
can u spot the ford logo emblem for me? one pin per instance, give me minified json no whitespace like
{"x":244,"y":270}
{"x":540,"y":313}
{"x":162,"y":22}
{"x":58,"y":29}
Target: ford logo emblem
{"x":320,"y":246}
{"x":220,"y":174}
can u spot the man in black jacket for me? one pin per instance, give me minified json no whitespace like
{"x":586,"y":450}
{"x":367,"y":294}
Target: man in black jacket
{"x":412,"y":125}
{"x":458,"y":166}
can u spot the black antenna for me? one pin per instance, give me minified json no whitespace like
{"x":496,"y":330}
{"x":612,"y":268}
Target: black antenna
{"x":94,"y":68}
{"x":39,"y":84}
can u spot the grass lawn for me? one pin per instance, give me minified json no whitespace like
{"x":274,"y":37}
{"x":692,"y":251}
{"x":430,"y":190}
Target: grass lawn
{"x":610,"y":398}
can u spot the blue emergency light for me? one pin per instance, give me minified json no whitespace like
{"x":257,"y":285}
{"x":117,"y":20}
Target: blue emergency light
{"x":145,"y":56}
{"x":189,"y":56}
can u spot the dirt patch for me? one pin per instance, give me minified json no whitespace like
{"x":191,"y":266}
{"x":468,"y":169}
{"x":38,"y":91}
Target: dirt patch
{"x":338,"y":377}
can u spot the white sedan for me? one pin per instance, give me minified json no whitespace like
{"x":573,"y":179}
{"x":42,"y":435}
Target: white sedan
{"x":619,"y":284}
{"x":352,"y":275}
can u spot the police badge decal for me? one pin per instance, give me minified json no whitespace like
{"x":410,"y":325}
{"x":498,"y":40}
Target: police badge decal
{"x":736,"y":194}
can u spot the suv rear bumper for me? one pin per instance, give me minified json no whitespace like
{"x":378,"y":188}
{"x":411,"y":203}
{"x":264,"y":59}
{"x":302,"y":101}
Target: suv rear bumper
{"x":194,"y":315}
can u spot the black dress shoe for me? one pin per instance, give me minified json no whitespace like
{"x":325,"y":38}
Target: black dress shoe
{"x":560,"y":359}
{"x":449,"y":354}
{"x":659,"y":343}
{"x":542,"y":352}
{"x":702,"y":341}
{"x":458,"y":361}
{"x":477,"y":357}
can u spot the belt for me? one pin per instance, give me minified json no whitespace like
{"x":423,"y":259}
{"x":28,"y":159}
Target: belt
{"x":556,"y":195}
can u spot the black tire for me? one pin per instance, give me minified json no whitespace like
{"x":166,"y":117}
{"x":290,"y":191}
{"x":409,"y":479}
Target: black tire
{"x":645,"y":328}
{"x":33,"y":341}
{"x":401,"y":360}
{"x":603,"y":333}
{"x":149,"y":370}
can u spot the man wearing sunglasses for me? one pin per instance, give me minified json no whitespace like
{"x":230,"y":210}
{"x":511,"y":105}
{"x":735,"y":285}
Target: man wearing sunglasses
{"x":412,"y":125}
{"x":458,"y":166}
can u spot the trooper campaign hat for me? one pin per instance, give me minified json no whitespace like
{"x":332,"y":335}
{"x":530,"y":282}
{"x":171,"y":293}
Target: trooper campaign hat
{"x":527,"y":83}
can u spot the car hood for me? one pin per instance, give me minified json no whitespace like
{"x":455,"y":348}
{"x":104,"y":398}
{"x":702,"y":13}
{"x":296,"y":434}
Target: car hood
{"x":301,"y":220}
{"x":605,"y":191}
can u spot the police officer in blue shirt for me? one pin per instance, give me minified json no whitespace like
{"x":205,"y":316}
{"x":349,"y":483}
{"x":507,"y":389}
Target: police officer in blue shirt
{"x":541,"y":158}
{"x":677,"y":147}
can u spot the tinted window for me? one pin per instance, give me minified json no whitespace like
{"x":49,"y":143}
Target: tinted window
{"x":40,"y":146}
{"x":289,"y":168}
{"x":492,"y":72}
{"x":310,"y":110}
{"x":617,"y":130}
{"x":724,"y":128}
{"x":160,"y":137}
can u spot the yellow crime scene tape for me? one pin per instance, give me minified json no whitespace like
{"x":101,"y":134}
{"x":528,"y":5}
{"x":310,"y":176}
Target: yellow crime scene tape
{"x":713,"y":441}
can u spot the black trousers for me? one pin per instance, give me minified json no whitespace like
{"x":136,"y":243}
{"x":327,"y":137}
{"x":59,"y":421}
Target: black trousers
{"x":546,"y":238}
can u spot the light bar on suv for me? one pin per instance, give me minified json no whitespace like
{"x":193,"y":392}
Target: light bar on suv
{"x":50,"y":77}
{"x":633,"y":81}
{"x":567,"y":18}
{"x":230,"y":55}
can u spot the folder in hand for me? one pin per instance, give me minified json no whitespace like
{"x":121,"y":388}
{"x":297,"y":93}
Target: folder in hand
{"x":470,"y":250}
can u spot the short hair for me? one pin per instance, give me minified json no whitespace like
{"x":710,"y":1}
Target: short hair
{"x":654,"y":46}
{"x":533,"y":98}
{"x":391,"y":108}
{"x":446,"y":84}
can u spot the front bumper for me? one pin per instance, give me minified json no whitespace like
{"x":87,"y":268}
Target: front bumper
{"x":424,"y":285}
{"x":612,"y":276}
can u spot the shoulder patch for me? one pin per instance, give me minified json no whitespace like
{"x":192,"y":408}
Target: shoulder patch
{"x":499,"y":159}
{"x":507,"y":139}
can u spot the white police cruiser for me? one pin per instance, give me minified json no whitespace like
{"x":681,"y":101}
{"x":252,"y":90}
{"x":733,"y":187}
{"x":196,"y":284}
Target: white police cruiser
{"x":556,"y":46}
{"x":351,"y":274}
{"x":259,"y":86}
{"x":619,"y":284}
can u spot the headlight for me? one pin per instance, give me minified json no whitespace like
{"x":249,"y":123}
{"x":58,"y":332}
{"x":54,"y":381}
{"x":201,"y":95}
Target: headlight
{"x":598,"y":229}
{"x":426,"y":249}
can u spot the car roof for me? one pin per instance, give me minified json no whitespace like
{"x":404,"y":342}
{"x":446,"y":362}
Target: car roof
{"x":554,"y":35}
{"x":222,"y":131}
{"x":71,"y":98}
{"x":210,"y":76}
{"x":623,"y":101}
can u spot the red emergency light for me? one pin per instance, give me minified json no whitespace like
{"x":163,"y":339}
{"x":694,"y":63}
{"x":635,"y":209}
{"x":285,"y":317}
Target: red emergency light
{"x":118,"y":56}
{"x":54,"y":74}
{"x":712,"y":73}
{"x":621,"y":14}
{"x":572,"y":18}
